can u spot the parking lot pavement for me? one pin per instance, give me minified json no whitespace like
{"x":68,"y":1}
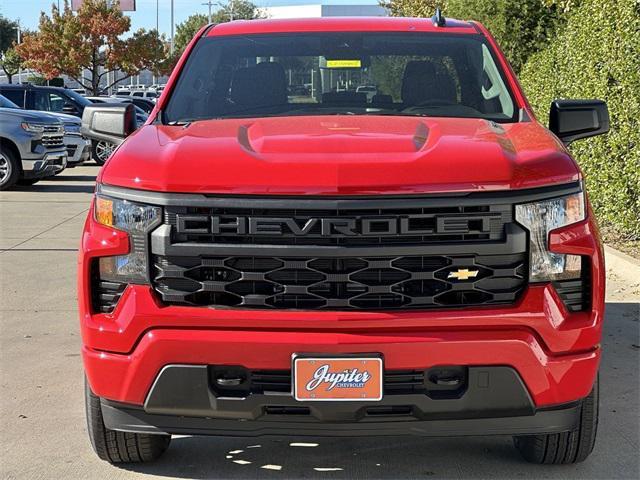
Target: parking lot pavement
{"x":43,"y":434}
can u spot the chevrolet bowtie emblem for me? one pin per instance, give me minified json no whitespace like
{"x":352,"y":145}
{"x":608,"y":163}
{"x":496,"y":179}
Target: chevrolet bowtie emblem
{"x":463,"y":274}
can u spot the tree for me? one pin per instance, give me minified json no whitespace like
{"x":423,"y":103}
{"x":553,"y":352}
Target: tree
{"x":91,"y":41}
{"x":242,"y":10}
{"x":236,"y":10}
{"x":186,"y":30}
{"x":411,"y":8}
{"x":8,"y":34}
{"x":11,"y":63}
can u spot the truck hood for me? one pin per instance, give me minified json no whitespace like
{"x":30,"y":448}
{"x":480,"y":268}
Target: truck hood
{"x":29,"y":115}
{"x":65,"y":118}
{"x":340,"y":155}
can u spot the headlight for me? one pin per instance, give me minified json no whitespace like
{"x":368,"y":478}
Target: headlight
{"x":542,"y":217}
{"x":137,"y":220}
{"x":32,"y":127}
{"x":72,"y":128}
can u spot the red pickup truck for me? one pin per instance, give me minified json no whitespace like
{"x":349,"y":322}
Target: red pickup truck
{"x":277,"y":253}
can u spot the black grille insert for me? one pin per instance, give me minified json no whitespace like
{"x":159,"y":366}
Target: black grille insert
{"x":576,"y":294}
{"x":436,"y":382}
{"x":104,"y":294}
{"x":339,"y":283}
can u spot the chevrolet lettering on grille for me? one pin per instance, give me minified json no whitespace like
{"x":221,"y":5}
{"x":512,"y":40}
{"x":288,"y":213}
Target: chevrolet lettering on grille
{"x":330,"y":227}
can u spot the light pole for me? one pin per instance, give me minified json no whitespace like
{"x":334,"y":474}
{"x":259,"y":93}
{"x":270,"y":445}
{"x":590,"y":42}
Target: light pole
{"x":209,"y":4}
{"x":17,"y":27}
{"x":172,"y":28}
{"x":157,"y":30}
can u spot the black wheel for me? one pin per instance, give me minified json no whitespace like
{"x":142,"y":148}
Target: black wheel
{"x":9,"y":169}
{"x":566,"y":447}
{"x":100,"y":151}
{"x":120,"y":447}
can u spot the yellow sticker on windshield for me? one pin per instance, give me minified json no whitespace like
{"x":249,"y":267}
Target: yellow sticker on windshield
{"x":344,"y":63}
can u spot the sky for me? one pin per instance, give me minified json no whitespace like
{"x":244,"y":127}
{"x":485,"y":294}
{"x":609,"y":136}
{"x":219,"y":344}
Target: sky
{"x":28,"y":11}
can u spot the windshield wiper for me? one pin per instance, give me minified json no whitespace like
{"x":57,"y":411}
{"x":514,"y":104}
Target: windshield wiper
{"x":396,"y":113}
{"x":184,"y":121}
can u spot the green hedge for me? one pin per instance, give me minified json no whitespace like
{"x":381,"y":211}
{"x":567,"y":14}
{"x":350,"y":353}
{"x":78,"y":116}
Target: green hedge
{"x":597,"y":55}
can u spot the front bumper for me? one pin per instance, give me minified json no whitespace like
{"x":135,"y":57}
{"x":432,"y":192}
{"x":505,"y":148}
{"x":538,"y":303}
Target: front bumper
{"x":47,"y":166}
{"x":78,"y":149}
{"x":128,"y":377}
{"x":495,"y":402}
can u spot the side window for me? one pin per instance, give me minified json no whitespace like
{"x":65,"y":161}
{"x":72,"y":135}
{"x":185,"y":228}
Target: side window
{"x":16,"y":96}
{"x":48,"y":102}
{"x":137,"y":94}
{"x":57,"y":102}
{"x":41,"y":101}
{"x":493,"y":87}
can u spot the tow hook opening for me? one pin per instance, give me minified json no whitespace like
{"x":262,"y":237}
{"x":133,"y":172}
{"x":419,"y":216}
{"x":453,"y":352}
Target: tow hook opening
{"x":446,"y":382}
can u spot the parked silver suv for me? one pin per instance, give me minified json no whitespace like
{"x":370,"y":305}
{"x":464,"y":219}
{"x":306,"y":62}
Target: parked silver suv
{"x":31,"y":145}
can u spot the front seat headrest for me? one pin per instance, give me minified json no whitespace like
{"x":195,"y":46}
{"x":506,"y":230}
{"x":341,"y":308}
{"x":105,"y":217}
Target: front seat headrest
{"x":422,"y":83}
{"x":259,"y":86}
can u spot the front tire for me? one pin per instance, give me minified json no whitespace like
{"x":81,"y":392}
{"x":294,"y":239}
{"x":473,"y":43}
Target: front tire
{"x":9,"y":169}
{"x":567,"y":447}
{"x":120,"y":447}
{"x":100,"y":151}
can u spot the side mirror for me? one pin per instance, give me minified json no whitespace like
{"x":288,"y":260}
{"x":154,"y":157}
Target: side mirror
{"x":574,"y":119}
{"x":70,"y":109}
{"x":108,"y":122}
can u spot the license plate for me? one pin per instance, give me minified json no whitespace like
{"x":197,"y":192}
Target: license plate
{"x":337,"y":379}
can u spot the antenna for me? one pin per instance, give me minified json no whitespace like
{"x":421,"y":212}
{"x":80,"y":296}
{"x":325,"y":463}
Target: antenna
{"x":438,"y":19}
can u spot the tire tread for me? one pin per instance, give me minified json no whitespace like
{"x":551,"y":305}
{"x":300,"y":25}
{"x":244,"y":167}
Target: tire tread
{"x":120,"y":447}
{"x":566,"y":447}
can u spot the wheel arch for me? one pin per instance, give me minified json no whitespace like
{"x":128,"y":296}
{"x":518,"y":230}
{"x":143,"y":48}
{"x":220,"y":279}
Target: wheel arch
{"x":13,"y":148}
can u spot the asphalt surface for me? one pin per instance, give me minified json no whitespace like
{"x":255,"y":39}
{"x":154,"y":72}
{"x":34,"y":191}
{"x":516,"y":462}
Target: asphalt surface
{"x":42,"y":426}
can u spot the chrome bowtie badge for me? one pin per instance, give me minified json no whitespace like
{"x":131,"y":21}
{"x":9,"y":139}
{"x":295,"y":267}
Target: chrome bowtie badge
{"x":463,"y":274}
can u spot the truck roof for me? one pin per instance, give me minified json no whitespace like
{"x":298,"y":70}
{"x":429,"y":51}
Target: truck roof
{"x":339,"y":24}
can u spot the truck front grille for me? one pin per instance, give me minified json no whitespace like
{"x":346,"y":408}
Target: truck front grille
{"x":309,"y":253}
{"x":340,"y":253}
{"x":369,"y":283}
{"x":53,"y":137}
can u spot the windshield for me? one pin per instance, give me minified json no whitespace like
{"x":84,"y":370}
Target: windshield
{"x":6,"y":103}
{"x":80,"y":100}
{"x":422,"y":74}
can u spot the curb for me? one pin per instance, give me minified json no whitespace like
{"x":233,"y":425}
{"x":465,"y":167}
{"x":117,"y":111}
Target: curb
{"x":614,"y":259}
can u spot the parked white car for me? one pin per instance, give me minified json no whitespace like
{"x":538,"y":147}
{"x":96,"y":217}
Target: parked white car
{"x":149,"y":94}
